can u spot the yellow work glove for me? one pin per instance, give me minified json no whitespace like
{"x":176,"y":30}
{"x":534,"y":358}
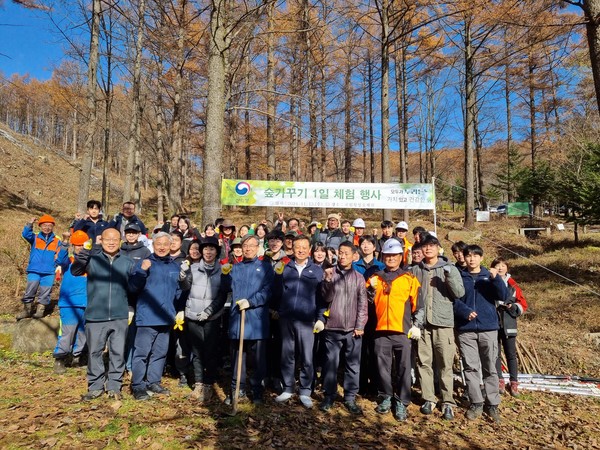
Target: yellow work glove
{"x":179,"y":319}
{"x":279,"y":268}
{"x":87,"y":244}
{"x":226,"y":268}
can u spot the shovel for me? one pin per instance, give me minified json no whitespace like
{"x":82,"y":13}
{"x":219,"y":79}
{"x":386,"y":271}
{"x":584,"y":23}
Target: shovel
{"x":236,"y":394}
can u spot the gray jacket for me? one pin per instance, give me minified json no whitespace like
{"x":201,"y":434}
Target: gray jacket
{"x":206,"y":293}
{"x":445,"y":284}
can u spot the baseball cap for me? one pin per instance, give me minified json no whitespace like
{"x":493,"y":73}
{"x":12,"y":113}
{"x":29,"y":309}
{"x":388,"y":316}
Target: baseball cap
{"x":402,"y":226}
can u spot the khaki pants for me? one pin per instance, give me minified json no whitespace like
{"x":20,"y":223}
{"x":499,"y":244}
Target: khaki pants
{"x":436,"y":343}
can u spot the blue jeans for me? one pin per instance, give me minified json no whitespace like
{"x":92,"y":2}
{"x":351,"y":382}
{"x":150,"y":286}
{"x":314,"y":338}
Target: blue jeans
{"x":149,"y":356}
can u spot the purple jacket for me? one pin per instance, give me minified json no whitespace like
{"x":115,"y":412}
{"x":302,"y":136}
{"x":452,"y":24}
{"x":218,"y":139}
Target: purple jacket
{"x":346,"y":298}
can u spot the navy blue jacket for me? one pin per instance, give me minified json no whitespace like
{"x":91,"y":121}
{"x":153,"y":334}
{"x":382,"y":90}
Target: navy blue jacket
{"x":117,"y":223}
{"x":159,"y":291}
{"x":251,"y":280}
{"x":481,"y":293}
{"x":298,"y":297}
{"x":91,"y":228}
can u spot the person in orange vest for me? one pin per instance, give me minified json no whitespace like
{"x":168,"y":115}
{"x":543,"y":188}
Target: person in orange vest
{"x":401,"y":231}
{"x":394,"y":292}
{"x":43,"y":264}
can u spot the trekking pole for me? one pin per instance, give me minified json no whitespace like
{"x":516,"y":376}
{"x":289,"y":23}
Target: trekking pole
{"x":236,"y":394}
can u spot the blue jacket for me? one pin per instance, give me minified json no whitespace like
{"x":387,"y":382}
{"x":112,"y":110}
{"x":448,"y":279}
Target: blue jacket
{"x":73,"y":289}
{"x":159,"y":291}
{"x":117,"y":223}
{"x":44,"y":251}
{"x":298,"y":297}
{"x":361,"y":266}
{"x":481,"y":293}
{"x":91,"y":228}
{"x":252,"y":280}
{"x":106,"y":284}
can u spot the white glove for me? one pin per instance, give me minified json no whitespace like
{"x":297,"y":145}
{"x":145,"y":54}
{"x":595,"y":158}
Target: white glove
{"x":130,"y":315}
{"x":243,"y":304}
{"x":319,"y":326}
{"x":414,"y":333}
{"x":180,"y":317}
{"x":183,"y":269}
{"x":203,"y":316}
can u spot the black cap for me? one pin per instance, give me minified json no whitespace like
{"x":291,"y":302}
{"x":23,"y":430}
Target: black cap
{"x":210,"y":240}
{"x":133,"y":227}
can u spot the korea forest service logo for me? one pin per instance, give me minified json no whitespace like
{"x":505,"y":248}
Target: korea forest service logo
{"x":242,"y":188}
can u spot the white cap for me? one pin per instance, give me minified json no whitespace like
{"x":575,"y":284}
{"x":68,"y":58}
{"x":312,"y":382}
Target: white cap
{"x":433,"y":233}
{"x":392,"y":247}
{"x":358,"y":223}
{"x":402,"y":225}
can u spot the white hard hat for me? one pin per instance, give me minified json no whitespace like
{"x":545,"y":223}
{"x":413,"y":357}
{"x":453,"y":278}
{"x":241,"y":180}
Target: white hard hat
{"x":402,"y":226}
{"x":392,"y":247}
{"x":358,"y":223}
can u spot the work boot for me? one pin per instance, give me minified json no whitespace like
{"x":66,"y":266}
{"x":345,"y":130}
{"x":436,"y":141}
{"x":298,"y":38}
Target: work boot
{"x":25,"y":312}
{"x":501,"y":386}
{"x":39,"y":311}
{"x":208,"y":392}
{"x":514,"y":389}
{"x":59,"y":366}
{"x":493,"y":412}
{"x":475,"y":411}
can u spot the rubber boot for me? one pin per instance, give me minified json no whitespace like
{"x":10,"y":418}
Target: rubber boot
{"x":39,"y":311}
{"x":514,"y":389}
{"x":59,"y":366}
{"x":25,"y":312}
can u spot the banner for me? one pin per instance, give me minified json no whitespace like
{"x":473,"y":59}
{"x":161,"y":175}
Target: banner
{"x":327,"y":195}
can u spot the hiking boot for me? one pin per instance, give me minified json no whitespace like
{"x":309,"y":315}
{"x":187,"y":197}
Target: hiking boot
{"x":91,"y":395}
{"x":183,"y":381}
{"x":493,"y":412}
{"x":59,"y":366}
{"x":385,"y":405}
{"x":115,"y":395}
{"x":306,"y":401}
{"x":208,"y":392}
{"x":353,"y":407}
{"x":157,"y":389}
{"x":502,"y":386}
{"x":326,"y":404}
{"x":475,"y":411}
{"x":514,"y":389}
{"x":40,"y":310}
{"x":25,"y":312}
{"x":141,"y":394}
{"x":427,"y":408}
{"x":400,"y":411}
{"x":448,"y":412}
{"x":283,"y":397}
{"x":241,"y":398}
{"x":198,"y":392}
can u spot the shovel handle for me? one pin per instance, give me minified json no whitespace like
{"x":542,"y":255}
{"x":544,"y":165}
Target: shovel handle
{"x":236,"y":394}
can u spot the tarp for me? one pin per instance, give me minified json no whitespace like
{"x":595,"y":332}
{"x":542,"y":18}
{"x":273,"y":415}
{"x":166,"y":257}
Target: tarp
{"x":328,"y":195}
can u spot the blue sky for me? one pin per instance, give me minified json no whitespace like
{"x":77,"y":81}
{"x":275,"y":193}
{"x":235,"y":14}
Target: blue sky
{"x":28,"y":42}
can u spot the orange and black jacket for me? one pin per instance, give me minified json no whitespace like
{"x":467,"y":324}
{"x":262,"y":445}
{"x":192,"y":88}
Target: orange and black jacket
{"x":396,"y":298}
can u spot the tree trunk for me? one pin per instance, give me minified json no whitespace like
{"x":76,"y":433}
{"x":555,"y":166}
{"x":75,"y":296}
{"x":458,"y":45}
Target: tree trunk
{"x":88,"y":147}
{"x":348,"y":94}
{"x":215,"y":112}
{"x":402,"y":106}
{"x":385,"y":104}
{"x":507,"y":91}
{"x":371,"y":124}
{"x":469,"y":131}
{"x":591,"y":10}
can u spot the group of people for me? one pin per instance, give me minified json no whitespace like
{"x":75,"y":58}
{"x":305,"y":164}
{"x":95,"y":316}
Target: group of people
{"x":310,"y":297}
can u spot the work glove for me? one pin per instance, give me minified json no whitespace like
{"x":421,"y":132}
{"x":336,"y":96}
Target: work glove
{"x":274,"y":314}
{"x":203,"y":316}
{"x":183,"y":269}
{"x":87,"y":244}
{"x":130,"y":315}
{"x":447,"y":269}
{"x":373,"y":282}
{"x":326,"y":313}
{"x":179,"y":319}
{"x":243,"y":304}
{"x":319,"y":225}
{"x":279,"y":268}
{"x":414,"y":333}
{"x":226,"y":268}
{"x":319,"y":326}
{"x":57,"y":274}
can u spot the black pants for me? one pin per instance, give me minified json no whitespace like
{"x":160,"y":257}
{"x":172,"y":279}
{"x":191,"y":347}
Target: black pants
{"x":256,"y":349}
{"x":510,"y":351}
{"x":297,"y":340}
{"x":203,"y":339}
{"x":335,"y":343}
{"x":391,"y":347}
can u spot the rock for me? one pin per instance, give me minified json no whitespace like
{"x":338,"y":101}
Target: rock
{"x":35,"y":335}
{"x":466,"y":236}
{"x":594,"y":337}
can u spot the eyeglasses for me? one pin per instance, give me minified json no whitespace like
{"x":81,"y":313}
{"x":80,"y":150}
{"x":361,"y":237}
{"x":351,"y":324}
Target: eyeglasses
{"x":110,"y":240}
{"x":249,"y":245}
